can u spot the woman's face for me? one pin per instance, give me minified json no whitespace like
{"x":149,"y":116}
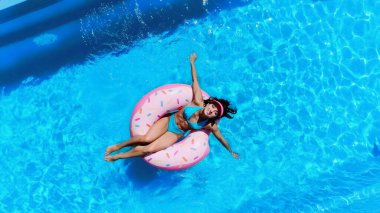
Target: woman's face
{"x":210,"y":110}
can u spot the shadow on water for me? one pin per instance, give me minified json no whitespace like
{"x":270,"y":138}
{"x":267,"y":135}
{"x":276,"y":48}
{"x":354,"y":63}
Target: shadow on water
{"x":107,"y":26}
{"x":139,"y":172}
{"x":142,"y":174}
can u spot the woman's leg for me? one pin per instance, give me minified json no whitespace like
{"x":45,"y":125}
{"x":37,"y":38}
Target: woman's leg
{"x":161,"y":143}
{"x":155,"y":131}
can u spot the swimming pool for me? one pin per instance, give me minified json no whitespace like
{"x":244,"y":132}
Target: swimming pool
{"x":303,"y":75}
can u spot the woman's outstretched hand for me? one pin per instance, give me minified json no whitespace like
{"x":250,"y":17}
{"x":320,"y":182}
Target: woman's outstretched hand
{"x":235,"y":155}
{"x":193,"y":58}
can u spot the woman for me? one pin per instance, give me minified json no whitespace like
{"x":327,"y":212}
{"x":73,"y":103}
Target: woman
{"x":199,"y":114}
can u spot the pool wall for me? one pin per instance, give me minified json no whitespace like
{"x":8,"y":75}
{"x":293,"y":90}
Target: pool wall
{"x":58,"y":33}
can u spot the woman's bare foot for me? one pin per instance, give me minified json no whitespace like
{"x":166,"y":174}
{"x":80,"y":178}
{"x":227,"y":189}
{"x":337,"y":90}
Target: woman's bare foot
{"x":110,"y":158}
{"x":111,"y":149}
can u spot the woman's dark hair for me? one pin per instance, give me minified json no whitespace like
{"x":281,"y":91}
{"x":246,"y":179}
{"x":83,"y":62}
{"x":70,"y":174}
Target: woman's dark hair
{"x":227,"y":110}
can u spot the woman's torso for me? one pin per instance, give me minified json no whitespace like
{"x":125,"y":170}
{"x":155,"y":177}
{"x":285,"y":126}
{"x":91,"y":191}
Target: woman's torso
{"x":192,"y":121}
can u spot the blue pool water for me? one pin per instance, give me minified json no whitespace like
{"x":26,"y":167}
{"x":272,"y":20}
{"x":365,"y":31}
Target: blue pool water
{"x":303,"y":75}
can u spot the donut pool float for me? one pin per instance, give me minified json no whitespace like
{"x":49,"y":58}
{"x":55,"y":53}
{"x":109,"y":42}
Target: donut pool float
{"x":188,"y":150}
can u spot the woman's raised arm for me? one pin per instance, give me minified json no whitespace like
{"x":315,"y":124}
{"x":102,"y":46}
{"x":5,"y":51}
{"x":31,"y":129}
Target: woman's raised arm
{"x":215,"y":130}
{"x":197,"y":92}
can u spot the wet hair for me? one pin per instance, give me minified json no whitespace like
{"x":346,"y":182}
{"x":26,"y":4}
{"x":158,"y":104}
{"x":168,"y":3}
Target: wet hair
{"x":227,"y":110}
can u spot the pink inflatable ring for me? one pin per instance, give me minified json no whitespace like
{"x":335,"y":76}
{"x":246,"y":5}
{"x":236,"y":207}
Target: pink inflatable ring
{"x":184,"y":153}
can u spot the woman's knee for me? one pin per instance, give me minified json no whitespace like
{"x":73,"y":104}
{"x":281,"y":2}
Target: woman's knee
{"x":142,"y":138}
{"x":148,"y":138}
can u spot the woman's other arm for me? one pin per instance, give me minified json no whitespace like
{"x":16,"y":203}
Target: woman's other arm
{"x":215,"y":130}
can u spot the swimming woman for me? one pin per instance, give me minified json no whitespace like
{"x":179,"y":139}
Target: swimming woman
{"x":199,"y":114}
